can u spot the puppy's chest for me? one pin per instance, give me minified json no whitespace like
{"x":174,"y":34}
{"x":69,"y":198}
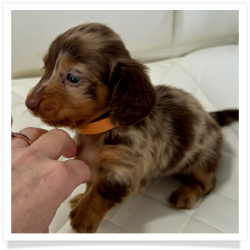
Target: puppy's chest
{"x":88,"y":152}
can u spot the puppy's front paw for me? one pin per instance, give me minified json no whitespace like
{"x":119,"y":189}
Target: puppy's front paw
{"x":183,"y":197}
{"x":75,"y":200}
{"x":84,"y":220}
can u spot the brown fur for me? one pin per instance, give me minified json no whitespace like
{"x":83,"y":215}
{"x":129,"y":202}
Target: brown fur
{"x":158,"y":130}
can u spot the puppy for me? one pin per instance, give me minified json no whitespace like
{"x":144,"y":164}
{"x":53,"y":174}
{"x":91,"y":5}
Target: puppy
{"x":127,"y":130}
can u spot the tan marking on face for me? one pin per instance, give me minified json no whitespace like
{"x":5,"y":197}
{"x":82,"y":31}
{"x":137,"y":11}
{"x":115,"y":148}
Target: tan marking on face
{"x":64,"y":62}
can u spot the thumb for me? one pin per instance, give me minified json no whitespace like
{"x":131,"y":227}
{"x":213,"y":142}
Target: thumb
{"x":78,"y":170}
{"x":78,"y":173}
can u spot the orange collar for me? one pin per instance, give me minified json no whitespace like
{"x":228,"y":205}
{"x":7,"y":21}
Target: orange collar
{"x":98,"y":127}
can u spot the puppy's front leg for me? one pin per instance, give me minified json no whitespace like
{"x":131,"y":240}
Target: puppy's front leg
{"x":88,"y":213}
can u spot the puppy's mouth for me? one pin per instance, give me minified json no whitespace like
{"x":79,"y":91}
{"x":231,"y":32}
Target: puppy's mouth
{"x":48,"y":115}
{"x":33,"y":112}
{"x":59,"y":123}
{"x":56,"y":114}
{"x":52,"y":123}
{"x":56,"y":123}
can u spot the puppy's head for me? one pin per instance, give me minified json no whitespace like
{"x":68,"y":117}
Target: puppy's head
{"x":87,"y":73}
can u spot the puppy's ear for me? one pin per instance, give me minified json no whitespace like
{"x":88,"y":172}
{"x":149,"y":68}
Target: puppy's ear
{"x":133,"y":97}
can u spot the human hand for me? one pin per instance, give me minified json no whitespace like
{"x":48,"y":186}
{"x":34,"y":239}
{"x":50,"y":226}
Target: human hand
{"x":40,"y":183}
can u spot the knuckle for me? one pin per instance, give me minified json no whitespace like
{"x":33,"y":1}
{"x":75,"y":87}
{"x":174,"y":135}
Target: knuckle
{"x":34,"y":154}
{"x":28,"y":156}
{"x":60,"y":172}
{"x":59,"y":132}
{"x":27,"y":130}
{"x":56,"y":175}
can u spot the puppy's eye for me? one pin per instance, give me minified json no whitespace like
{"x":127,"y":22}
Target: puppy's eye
{"x":73,"y":79}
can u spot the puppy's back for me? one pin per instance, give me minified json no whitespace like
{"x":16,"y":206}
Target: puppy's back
{"x":181,"y":132}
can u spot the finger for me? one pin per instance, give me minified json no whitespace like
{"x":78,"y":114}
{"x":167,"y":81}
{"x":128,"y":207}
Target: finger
{"x":32,"y":133}
{"x":78,"y":173}
{"x":55,"y":143}
{"x":79,"y":170}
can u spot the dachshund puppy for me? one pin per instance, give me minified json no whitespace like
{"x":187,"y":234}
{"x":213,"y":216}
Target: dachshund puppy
{"x":127,"y":130}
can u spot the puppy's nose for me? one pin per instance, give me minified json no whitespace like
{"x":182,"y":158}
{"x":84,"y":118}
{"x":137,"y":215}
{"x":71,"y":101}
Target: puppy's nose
{"x":33,"y":103}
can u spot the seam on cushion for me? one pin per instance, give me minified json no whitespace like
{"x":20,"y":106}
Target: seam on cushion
{"x":124,"y":225}
{"x":236,"y":134}
{"x":207,"y":224}
{"x":188,"y":73}
{"x":186,"y":224}
{"x":197,"y":84}
{"x":213,"y":108}
{"x":232,"y":153}
{"x":211,"y":44}
{"x":226,"y":41}
{"x":184,"y":69}
{"x":171,"y":53}
{"x":17,"y":93}
{"x":173,"y":62}
{"x":125,"y":229}
{"x":215,"y":192}
{"x":173,"y":33}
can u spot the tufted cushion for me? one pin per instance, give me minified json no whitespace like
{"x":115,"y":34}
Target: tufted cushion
{"x":211,"y":75}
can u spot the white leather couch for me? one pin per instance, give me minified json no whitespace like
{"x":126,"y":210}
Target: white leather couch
{"x":193,"y":50}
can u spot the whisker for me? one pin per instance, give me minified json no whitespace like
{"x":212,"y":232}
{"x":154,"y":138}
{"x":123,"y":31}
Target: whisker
{"x":22,"y":94}
{"x":18,"y":104}
{"x":24,"y":113}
